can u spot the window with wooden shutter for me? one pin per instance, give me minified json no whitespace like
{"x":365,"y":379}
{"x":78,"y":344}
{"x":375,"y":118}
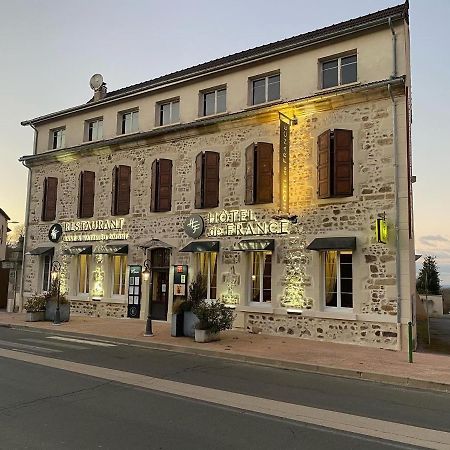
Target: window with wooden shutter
{"x":259,"y":173}
{"x":207,"y":180}
{"x":335,"y":164}
{"x":49,"y":198}
{"x":121,"y":190}
{"x":86,"y":194}
{"x":161,"y":185}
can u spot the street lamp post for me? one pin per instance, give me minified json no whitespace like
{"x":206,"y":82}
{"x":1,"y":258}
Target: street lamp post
{"x":56,"y":269}
{"x":146,"y":277}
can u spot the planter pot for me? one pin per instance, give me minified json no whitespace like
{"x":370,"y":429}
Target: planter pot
{"x":206,"y":336}
{"x":177,"y":325}
{"x":35,"y":316}
{"x":189,"y":322}
{"x":50,"y":310}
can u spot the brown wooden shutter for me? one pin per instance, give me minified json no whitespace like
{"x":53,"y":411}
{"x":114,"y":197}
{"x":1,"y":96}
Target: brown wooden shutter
{"x":114,"y":191}
{"x":199,"y":180}
{"x":324,"y":165}
{"x":86,"y":194}
{"x":211,"y":180}
{"x":343,"y":163}
{"x":164,"y":202}
{"x":154,"y":191}
{"x":50,"y":197}
{"x":264,"y":172}
{"x":250,"y":175}
{"x":123,"y":190}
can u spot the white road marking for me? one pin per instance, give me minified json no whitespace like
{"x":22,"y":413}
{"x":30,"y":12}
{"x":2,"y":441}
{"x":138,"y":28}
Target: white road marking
{"x":82,"y":341}
{"x":381,"y":429}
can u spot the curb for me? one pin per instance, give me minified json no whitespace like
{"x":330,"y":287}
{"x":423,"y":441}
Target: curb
{"x":413,"y":383}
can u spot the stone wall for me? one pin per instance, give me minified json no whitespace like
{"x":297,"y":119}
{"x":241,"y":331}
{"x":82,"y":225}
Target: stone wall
{"x":98,"y":309}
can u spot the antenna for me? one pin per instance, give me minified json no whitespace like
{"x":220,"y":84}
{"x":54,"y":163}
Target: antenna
{"x":96,"y":81}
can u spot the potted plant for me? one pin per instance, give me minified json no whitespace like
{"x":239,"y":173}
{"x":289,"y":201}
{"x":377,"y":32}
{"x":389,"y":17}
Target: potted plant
{"x":177,"y":318}
{"x":213,"y":317}
{"x":197,"y":294}
{"x":35,"y":308}
{"x":51,"y":298}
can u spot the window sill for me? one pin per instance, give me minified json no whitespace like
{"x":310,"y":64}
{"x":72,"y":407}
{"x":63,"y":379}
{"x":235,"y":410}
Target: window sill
{"x":263,"y":105}
{"x":131,"y":133}
{"x":339,"y":87}
{"x":340,"y":314}
{"x":167,"y":125}
{"x":256,"y":308}
{"x":211,"y":116}
{"x":336,"y":200}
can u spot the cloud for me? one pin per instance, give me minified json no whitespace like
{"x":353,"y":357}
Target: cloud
{"x":434,"y":240}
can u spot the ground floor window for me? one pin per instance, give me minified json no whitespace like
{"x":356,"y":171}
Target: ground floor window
{"x":338,"y":279}
{"x":206,"y":264}
{"x":119,"y":263}
{"x":46,"y":272}
{"x":261,"y":276}
{"x":84,"y":263}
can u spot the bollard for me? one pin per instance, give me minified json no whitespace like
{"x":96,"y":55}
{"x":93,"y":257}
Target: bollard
{"x":410,"y":343}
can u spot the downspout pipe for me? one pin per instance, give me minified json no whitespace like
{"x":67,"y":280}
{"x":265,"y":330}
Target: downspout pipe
{"x":27,"y":215}
{"x":394,"y":49}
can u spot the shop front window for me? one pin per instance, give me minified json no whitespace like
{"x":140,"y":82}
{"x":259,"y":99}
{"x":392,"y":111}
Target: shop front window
{"x":261,"y":277}
{"x":84,"y":262}
{"x":119,"y":263}
{"x":206,"y":263}
{"x":338,"y":279}
{"x":46,"y":273}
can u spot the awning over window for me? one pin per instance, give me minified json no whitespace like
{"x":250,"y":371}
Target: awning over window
{"x":155,"y":243}
{"x":79,"y":250}
{"x":333,"y":243}
{"x":111,"y":249}
{"x":201,"y":246}
{"x":255,"y":245}
{"x":42,"y":251}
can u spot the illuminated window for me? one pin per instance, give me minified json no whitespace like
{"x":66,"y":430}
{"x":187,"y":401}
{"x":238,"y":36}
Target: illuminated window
{"x":57,"y":138}
{"x":46,"y":272}
{"x":338,"y":279}
{"x":84,"y":262}
{"x":129,"y":122}
{"x":265,"y":89}
{"x":119,"y":263}
{"x":207,"y":265}
{"x":338,"y":71}
{"x":168,"y":112}
{"x":261,"y":277}
{"x":214,"y":102}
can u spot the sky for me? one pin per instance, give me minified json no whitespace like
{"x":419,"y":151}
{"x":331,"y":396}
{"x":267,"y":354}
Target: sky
{"x":50,"y":48}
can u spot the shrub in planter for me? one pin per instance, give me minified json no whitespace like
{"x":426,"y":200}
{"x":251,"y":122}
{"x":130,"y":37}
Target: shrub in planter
{"x":213,"y":317}
{"x":197,"y":294}
{"x":35,"y":308}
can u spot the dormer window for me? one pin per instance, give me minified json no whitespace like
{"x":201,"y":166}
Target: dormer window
{"x":339,"y":71}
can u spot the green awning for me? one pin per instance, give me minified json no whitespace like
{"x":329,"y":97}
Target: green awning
{"x":333,"y":243}
{"x":111,"y":249}
{"x":255,"y":245}
{"x":201,"y":246}
{"x":79,"y":250}
{"x":42,"y":251}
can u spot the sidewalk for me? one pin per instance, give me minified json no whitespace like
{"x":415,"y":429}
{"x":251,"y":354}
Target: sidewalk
{"x":429,"y":371}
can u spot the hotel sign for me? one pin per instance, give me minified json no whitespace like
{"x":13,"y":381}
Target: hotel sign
{"x":90,"y":230}
{"x":242,"y":222}
{"x":284,"y":164}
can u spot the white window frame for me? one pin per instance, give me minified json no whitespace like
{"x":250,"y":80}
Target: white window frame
{"x":338,"y":288}
{"x":261,"y":255}
{"x":87,"y":277}
{"x":49,"y":281}
{"x":159,"y":107}
{"x":266,"y":88}
{"x":123,"y":277}
{"x":214,"y":91}
{"x":134,"y":121}
{"x":98,"y":130}
{"x":339,"y":69}
{"x":58,"y":134}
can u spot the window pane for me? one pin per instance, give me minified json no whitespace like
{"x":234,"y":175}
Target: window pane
{"x":346,"y":285}
{"x":117,"y":273}
{"x":329,"y":77}
{"x":83,"y":274}
{"x":165,"y":114}
{"x":135,"y":121}
{"x":46,"y":273}
{"x":259,"y":91}
{"x":267,"y":277}
{"x":221,"y":100}
{"x":347,"y":300}
{"x":99,"y":129}
{"x":274,"y":88}
{"x":175,"y":112}
{"x":213,"y":276}
{"x":209,"y":103}
{"x":348,"y":72}
{"x":256,"y":277}
{"x":330,"y":64}
{"x":331,"y":278}
{"x":348,"y":60}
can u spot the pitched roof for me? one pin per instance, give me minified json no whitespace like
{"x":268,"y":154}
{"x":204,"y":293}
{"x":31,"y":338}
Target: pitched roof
{"x":4,"y":214}
{"x":247,"y":56}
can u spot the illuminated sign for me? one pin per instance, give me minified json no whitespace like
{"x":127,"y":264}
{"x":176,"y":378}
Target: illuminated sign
{"x":194,"y":226}
{"x":284,"y":165}
{"x":91,"y":230}
{"x":242,"y":222}
{"x":382,"y":231}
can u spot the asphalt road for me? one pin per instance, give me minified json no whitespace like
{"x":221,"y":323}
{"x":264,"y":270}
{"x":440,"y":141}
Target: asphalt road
{"x":47,"y":408}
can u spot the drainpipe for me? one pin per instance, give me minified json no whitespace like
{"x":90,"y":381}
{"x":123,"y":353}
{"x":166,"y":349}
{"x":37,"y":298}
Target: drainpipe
{"x":396,"y":181}
{"x":27,"y":215}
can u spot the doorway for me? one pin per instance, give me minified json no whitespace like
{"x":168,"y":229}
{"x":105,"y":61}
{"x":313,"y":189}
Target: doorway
{"x":4,"y":282}
{"x":160,"y":263}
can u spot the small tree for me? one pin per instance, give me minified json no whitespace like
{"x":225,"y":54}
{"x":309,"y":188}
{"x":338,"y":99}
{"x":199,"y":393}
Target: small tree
{"x":428,"y":280}
{"x":197,"y":293}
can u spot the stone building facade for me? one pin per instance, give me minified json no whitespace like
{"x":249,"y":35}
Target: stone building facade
{"x":306,"y":263}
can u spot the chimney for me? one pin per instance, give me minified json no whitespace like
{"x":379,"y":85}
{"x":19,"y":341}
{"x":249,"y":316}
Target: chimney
{"x":100,"y":92}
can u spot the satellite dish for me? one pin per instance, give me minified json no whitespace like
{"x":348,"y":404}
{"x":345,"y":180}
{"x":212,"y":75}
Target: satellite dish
{"x":96,"y":81}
